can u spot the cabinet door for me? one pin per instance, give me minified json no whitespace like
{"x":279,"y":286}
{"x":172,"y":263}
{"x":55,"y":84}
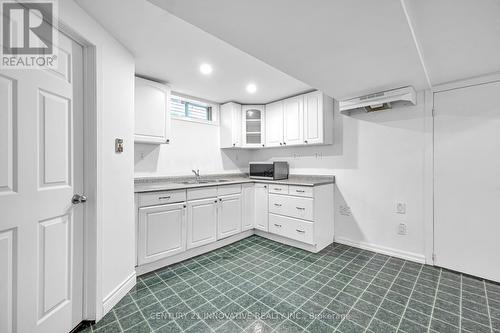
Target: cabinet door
{"x":248,"y":202}
{"x":313,"y":118}
{"x":253,"y":126}
{"x":201,"y":222}
{"x":152,"y":112}
{"x":230,"y":125}
{"x":162,"y":232}
{"x":261,"y":207}
{"x":274,"y":124}
{"x":229,"y":215}
{"x":293,"y":121}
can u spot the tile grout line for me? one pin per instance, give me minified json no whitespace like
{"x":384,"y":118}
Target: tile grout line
{"x":409,"y":298}
{"x":488,"y":305}
{"x":364,"y":290}
{"x":310,"y":279}
{"x":435,"y":298}
{"x":460,"y":303}
{"x":383,"y":298}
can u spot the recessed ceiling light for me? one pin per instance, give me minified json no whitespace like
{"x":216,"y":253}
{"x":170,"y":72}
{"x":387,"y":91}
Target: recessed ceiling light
{"x":206,"y":69}
{"x":251,"y":88}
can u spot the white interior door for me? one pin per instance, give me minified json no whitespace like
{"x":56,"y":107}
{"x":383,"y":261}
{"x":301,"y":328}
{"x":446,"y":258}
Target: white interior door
{"x":467,"y":179}
{"x":41,"y":167}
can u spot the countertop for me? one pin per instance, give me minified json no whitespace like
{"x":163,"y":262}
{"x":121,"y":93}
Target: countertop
{"x":150,"y":184}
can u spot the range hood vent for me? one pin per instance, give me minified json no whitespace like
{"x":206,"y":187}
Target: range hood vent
{"x":379,"y":101}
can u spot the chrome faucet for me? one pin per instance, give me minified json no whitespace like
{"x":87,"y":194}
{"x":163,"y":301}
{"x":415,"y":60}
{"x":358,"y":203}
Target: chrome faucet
{"x":196,"y":174}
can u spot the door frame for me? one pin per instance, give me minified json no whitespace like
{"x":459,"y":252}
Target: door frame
{"x":92,"y":244}
{"x":429,"y":157}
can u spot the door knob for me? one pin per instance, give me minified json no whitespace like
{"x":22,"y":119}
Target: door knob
{"x":78,"y":198}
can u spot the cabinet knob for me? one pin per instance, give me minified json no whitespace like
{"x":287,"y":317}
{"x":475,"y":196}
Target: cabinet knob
{"x":184,"y":206}
{"x":284,"y":143}
{"x":168,"y":140}
{"x":215,"y":201}
{"x":234,"y":144}
{"x":262,"y":145}
{"x":281,"y":143}
{"x":220,"y":199}
{"x":305,"y":141}
{"x":265,"y":186}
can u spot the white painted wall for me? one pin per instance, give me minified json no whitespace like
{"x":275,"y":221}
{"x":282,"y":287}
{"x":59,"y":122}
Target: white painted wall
{"x":115,"y":202}
{"x":193,"y":146}
{"x":378,"y":160}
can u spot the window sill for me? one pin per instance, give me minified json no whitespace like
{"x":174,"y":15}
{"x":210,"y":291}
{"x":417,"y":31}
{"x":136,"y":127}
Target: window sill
{"x":199,"y":121}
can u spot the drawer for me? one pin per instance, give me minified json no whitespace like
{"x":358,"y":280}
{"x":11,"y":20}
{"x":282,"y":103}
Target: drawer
{"x":301,"y":191}
{"x":229,"y":189}
{"x":202,"y":193}
{"x":276,"y":188}
{"x":161,"y":198}
{"x":299,"y":230}
{"x":298,"y":207}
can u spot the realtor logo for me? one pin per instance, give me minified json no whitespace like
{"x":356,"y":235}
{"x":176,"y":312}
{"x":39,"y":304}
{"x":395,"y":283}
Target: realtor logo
{"x":28,"y":34}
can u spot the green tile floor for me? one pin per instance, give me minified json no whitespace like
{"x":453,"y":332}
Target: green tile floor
{"x":257,"y":285}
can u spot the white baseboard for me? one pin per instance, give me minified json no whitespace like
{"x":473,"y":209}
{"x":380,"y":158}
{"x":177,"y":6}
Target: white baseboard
{"x":288,"y":241}
{"x":118,"y":293}
{"x":419,"y":258}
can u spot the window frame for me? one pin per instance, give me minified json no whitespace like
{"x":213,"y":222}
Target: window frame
{"x":196,"y":101}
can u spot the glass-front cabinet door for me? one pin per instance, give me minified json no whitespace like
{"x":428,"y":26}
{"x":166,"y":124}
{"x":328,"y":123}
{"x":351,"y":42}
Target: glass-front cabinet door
{"x":253,"y":125}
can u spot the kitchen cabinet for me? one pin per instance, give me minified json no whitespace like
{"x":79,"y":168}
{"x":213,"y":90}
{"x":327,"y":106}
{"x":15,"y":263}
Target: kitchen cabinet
{"x":230,"y":125}
{"x":293,"y":124}
{"x":248,"y":203}
{"x":313,"y":118}
{"x":152,"y":112}
{"x":274,"y":124}
{"x":253,"y":124}
{"x":229,"y":216}
{"x":261,"y":206}
{"x":201,"y":222}
{"x":161,"y":232}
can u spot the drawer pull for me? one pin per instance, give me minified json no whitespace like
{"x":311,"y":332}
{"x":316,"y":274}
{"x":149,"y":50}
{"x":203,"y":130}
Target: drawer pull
{"x":277,"y":189}
{"x":300,"y":191}
{"x":301,"y":231}
{"x":300,"y":208}
{"x":164,"y":198}
{"x":277,"y":205}
{"x":277,"y":225}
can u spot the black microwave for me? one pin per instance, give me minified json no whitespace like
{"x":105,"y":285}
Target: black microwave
{"x":269,"y":170}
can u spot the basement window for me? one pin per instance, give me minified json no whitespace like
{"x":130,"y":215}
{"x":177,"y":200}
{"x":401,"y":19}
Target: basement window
{"x":189,"y":109}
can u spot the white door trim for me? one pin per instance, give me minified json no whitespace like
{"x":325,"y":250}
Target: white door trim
{"x":429,"y":162}
{"x":92,"y":286}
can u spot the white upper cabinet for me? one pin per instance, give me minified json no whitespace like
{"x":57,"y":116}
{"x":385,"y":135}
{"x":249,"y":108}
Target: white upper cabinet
{"x":314,"y":118}
{"x":293,"y":133}
{"x":253,"y":126}
{"x":230,"y":125}
{"x":152,"y":112}
{"x":274,"y":124}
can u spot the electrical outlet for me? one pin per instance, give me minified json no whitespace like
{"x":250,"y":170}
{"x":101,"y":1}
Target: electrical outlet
{"x":345,"y":210}
{"x":402,"y":229}
{"x":400,"y":208}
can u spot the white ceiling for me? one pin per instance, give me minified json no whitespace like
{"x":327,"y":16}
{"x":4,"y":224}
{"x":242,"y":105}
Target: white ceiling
{"x":169,"y":49}
{"x":351,"y":47}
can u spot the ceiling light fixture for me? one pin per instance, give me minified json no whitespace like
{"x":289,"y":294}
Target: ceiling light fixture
{"x":206,"y":69}
{"x":251,"y":88}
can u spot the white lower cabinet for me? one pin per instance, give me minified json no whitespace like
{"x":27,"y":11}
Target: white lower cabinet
{"x":201,"y":222}
{"x":248,"y":204}
{"x":162,"y":232}
{"x":261,"y":207}
{"x":229,"y":216}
